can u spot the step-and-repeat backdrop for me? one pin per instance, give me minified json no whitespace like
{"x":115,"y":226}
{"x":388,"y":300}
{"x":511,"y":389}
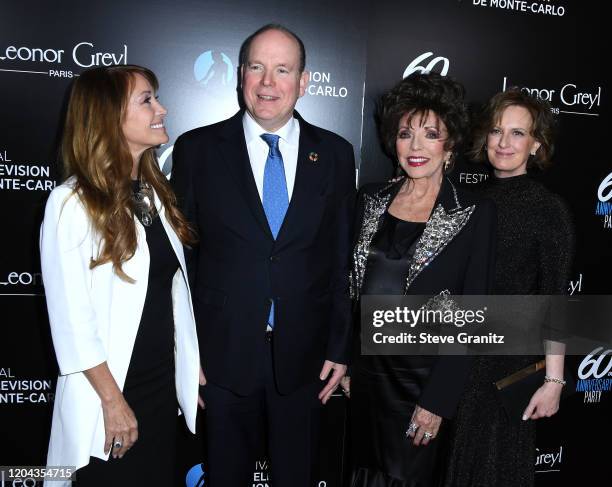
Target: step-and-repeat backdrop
{"x":555,"y":49}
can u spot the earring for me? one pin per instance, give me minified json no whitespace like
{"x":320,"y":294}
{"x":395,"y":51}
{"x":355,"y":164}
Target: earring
{"x":447,"y":163}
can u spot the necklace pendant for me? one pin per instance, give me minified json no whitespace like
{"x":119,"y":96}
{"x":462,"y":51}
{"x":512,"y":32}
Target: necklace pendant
{"x":146,"y":219}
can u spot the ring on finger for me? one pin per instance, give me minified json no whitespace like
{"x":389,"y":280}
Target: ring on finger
{"x":428,"y":435}
{"x":118,"y":444}
{"x":412,"y":427}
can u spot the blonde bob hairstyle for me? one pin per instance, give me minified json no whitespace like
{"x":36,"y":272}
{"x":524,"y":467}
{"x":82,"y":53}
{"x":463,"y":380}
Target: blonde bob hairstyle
{"x":96,"y":154}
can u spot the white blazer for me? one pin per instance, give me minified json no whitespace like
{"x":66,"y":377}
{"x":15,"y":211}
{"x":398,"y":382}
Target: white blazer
{"x":94,"y":317}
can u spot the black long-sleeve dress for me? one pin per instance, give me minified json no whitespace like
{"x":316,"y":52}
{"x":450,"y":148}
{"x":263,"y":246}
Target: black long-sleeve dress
{"x":150,"y":382}
{"x":453,"y":251}
{"x":535,"y":248}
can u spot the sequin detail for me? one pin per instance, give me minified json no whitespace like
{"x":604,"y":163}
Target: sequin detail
{"x":441,"y":228}
{"x":442,"y":302}
{"x":374,"y":207}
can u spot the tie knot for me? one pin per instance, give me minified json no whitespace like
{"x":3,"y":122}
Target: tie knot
{"x":271,"y":140}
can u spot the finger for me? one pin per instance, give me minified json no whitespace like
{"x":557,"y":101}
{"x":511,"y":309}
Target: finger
{"x":412,"y":432}
{"x":108,"y":442}
{"x":326,"y":390}
{"x":202,"y":377}
{"x":117,"y":450}
{"x":345,"y":383}
{"x":327,"y":396}
{"x":133,"y":436}
{"x":327,"y":366}
{"x":418,"y":437}
{"x":528,"y":411}
{"x":336,"y":378}
{"x":127,"y":443}
{"x":201,"y":402}
{"x":339,"y":371}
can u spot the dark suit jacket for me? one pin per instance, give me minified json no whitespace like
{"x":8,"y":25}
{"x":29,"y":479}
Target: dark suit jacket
{"x":237,"y":267}
{"x":462,"y":263}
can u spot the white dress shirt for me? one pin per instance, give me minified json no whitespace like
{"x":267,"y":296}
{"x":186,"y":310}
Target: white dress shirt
{"x":258,"y":150}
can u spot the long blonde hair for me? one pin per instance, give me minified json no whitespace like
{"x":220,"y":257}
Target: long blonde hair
{"x":95,"y":152}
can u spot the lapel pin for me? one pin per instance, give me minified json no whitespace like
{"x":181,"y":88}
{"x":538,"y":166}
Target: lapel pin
{"x":313,"y":156}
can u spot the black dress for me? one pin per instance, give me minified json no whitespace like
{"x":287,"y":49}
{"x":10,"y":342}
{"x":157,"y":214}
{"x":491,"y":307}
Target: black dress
{"x":385,"y":389}
{"x":150,"y":383}
{"x":535,"y":245}
{"x":453,"y":253}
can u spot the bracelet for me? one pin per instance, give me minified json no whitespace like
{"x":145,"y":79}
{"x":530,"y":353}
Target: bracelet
{"x":554,"y":379}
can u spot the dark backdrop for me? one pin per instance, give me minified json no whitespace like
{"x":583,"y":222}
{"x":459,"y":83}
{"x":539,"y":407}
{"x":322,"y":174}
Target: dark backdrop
{"x":355,"y":51}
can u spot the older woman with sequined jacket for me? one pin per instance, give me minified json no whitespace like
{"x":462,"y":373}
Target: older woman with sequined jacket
{"x":419,"y":235}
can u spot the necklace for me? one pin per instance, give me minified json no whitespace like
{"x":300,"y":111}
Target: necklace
{"x":144,"y":203}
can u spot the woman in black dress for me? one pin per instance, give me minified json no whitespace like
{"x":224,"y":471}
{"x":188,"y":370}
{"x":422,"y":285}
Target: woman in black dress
{"x":116,"y":287}
{"x":534,"y":254}
{"x":422,"y":236}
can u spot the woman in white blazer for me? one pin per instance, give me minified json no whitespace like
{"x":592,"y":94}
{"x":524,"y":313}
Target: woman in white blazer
{"x":117,"y":292}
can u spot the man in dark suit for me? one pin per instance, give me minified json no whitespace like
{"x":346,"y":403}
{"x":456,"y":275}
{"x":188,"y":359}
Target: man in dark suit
{"x":271,"y":198}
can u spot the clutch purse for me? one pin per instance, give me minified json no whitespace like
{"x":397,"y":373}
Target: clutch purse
{"x":515,"y":391}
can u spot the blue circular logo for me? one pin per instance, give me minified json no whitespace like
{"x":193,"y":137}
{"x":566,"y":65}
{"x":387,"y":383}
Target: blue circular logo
{"x":213,"y":68}
{"x":196,"y":477}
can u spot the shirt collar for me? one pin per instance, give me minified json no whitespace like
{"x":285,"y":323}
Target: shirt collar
{"x":289,"y":132}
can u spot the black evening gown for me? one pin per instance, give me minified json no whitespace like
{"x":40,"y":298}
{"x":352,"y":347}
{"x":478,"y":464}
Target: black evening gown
{"x":384,"y":389}
{"x":535,"y":245}
{"x":150,"y":383}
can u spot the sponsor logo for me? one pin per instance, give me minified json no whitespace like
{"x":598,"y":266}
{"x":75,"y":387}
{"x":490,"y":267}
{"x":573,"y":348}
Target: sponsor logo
{"x":22,"y":278}
{"x":575,"y":286}
{"x":541,"y":7}
{"x":59,"y":63}
{"x":568,"y":98}
{"x":196,"y":476}
{"x":16,"y":176}
{"x":472,"y":177}
{"x":213,"y":70}
{"x":261,"y":475}
{"x":604,"y":205}
{"x":320,"y":84}
{"x":437,"y":62}
{"x":548,"y":461}
{"x":24,"y":391}
{"x":595,"y":375}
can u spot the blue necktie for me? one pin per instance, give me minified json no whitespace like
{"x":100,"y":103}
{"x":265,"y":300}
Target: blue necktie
{"x":275,"y":195}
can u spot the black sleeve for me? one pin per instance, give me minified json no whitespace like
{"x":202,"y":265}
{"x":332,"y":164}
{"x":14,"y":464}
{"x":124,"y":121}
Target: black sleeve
{"x":555,"y":249}
{"x":480,"y":273}
{"x":449,"y":374}
{"x":555,"y":258}
{"x":182,"y":181}
{"x":340,"y":329}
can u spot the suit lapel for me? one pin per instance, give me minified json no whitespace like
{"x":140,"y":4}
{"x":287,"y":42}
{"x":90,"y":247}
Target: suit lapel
{"x":375,"y":206}
{"x":312,"y":167}
{"x":236,"y":158}
{"x":446,"y":221}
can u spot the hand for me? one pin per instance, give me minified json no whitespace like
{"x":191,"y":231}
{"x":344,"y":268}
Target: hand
{"x":119,"y":425}
{"x":201,"y":402}
{"x":425,"y":422}
{"x":345,"y":384}
{"x":334,"y":381}
{"x":544,"y":402}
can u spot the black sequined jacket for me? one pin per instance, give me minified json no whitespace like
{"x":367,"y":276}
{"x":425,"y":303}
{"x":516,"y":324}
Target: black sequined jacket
{"x":455,"y":253}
